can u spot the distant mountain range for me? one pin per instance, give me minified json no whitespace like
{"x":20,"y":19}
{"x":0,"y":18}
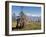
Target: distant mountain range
{"x":33,"y":18}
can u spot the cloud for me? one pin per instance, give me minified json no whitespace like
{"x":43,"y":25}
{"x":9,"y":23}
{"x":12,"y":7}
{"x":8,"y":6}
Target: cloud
{"x":29,"y":14}
{"x":36,"y":15}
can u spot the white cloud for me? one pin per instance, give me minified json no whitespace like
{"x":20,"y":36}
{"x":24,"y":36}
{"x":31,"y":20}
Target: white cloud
{"x":36,"y":15}
{"x":29,"y":14}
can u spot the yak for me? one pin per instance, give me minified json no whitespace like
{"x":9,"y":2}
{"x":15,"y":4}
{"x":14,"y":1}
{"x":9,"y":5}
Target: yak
{"x":20,"y":23}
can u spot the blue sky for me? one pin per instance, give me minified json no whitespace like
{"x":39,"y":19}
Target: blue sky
{"x":27,"y":10}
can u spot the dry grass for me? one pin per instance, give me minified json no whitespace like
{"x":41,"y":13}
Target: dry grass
{"x":29,"y":26}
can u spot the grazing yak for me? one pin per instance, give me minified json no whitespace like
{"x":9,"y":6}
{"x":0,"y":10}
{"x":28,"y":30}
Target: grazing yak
{"x":21,"y":22}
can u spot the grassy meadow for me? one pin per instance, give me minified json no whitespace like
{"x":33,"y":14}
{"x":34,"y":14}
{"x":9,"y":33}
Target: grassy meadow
{"x":29,"y":26}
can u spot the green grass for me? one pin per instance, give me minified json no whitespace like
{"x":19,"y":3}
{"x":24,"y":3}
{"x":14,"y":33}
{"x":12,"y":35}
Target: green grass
{"x":29,"y":26}
{"x":14,"y":23}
